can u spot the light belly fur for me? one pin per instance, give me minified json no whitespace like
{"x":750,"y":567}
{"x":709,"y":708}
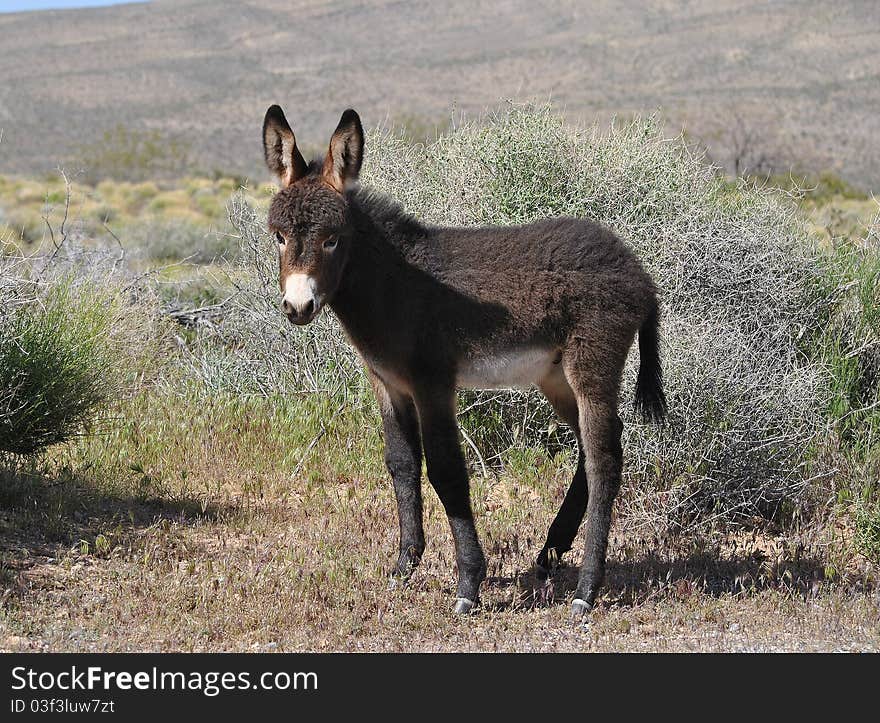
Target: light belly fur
{"x":510,"y":368}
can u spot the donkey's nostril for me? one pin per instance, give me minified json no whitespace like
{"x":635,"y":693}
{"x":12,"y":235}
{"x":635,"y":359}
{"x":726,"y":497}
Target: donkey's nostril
{"x":286,"y":306}
{"x":308,"y":308}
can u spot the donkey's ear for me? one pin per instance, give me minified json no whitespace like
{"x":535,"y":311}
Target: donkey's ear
{"x":279,"y":144}
{"x":343,"y":161}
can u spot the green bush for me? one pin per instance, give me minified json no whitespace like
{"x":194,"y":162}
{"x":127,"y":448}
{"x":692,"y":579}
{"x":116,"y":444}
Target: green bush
{"x":848,"y":342}
{"x":59,"y":364}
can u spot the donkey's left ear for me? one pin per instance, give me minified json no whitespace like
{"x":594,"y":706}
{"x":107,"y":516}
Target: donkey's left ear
{"x":343,"y":162}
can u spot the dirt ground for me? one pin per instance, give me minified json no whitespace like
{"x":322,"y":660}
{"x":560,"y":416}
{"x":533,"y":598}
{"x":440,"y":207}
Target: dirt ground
{"x":294,"y":575}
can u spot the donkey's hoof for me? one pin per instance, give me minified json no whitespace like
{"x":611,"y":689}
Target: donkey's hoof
{"x":400,"y":576}
{"x":580,"y":611}
{"x":547,"y":563}
{"x":542,"y":572}
{"x":463,"y":606}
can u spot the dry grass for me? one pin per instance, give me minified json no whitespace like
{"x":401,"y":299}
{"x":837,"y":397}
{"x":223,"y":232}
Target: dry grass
{"x":215,"y":526}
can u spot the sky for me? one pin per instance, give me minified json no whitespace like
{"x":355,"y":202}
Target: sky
{"x":9,"y":6}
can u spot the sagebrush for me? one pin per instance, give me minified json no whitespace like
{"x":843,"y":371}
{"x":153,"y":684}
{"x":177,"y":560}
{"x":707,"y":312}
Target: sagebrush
{"x":73,"y":339}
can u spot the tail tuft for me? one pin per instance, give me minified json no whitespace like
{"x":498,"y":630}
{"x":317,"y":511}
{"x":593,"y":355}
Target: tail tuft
{"x":650,"y":399}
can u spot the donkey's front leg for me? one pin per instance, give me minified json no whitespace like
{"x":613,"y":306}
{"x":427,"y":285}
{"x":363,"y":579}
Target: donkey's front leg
{"x":448,"y":475}
{"x":403,"y":458}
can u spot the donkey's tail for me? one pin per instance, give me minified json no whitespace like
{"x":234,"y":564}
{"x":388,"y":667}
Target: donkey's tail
{"x":650,"y":399}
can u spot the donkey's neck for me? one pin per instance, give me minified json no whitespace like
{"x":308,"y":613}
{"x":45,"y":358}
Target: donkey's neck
{"x":385,"y":239}
{"x":382,"y":222}
{"x":379,"y":274}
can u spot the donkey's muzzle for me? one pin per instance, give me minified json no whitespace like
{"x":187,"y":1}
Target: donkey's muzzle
{"x":301,"y":314}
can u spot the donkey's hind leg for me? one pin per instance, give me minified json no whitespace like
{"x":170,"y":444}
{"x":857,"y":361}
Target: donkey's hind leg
{"x":571,"y":513}
{"x":601,"y":431}
{"x":568,"y":520}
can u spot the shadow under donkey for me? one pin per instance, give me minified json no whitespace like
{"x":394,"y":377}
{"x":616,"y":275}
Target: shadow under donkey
{"x":633,"y":582}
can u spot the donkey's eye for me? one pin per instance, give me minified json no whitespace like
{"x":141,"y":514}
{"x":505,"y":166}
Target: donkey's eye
{"x":279,"y":238}
{"x":331,"y":242}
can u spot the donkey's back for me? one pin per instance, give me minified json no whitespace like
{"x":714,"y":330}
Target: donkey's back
{"x":564,"y":269}
{"x":506,"y":302}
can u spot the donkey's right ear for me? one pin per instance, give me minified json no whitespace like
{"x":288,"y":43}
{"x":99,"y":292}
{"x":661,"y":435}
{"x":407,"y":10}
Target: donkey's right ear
{"x":279,"y":145}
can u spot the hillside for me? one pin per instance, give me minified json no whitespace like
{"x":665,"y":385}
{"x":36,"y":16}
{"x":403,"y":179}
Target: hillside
{"x":787,"y":83}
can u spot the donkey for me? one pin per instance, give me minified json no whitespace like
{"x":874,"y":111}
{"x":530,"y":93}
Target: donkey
{"x":555,"y":304}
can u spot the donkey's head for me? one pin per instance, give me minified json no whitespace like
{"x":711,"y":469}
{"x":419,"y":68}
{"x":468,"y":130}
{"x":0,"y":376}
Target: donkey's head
{"x":309,"y":215}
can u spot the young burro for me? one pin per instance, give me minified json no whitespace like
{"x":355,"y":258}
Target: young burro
{"x":555,"y":304}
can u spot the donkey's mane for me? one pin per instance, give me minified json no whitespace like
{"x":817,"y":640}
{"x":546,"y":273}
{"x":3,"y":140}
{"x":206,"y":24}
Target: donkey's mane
{"x":398,"y":225}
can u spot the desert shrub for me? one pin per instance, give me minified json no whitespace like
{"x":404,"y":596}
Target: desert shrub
{"x":162,"y":240}
{"x":817,"y":188}
{"x":72,"y":338}
{"x":736,"y":272}
{"x":738,"y":278}
{"x":105,"y":213}
{"x":143,"y":191}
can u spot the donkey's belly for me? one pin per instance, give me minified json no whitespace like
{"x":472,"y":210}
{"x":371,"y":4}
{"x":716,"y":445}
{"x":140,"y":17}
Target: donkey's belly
{"x":508,"y":368}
